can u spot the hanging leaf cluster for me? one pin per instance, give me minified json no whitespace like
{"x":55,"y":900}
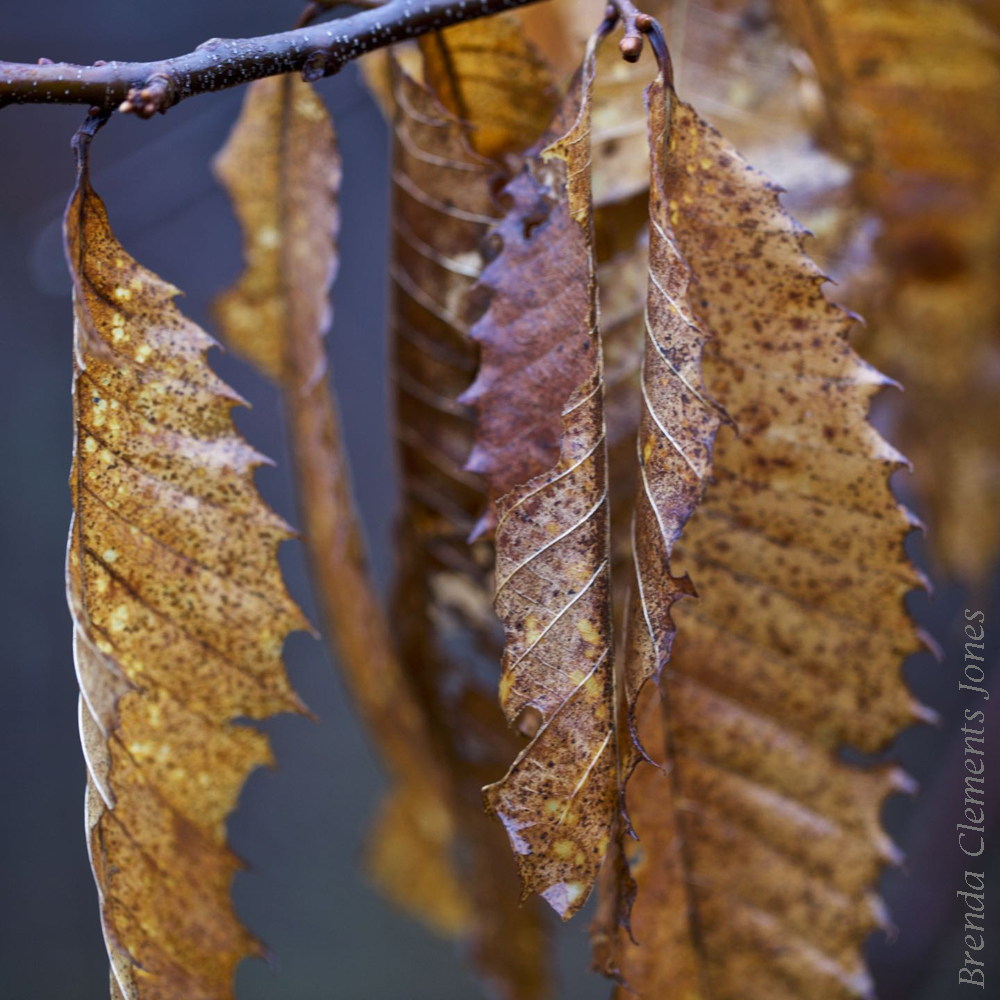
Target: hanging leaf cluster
{"x":650,"y":573}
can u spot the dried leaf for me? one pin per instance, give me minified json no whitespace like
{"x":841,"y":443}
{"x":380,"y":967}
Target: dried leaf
{"x":677,"y":429}
{"x":179,"y":616}
{"x":747,"y":79}
{"x":914,"y":97}
{"x":620,"y":171}
{"x":469,"y":67}
{"x":672,"y":450}
{"x":538,"y":338}
{"x":541,"y":443}
{"x":282,"y":170}
{"x":759,"y":847}
{"x":619,"y":182}
{"x":443,"y":208}
{"x":761,"y":92}
{"x":411,"y":857}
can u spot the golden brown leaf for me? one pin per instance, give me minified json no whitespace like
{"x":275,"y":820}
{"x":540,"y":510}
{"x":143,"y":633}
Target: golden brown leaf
{"x":677,"y":428}
{"x":672,"y":450}
{"x":282,"y":170}
{"x":179,"y":614}
{"x":491,"y":81}
{"x":759,"y":847}
{"x":541,"y":444}
{"x":411,"y":857}
{"x":914,"y":97}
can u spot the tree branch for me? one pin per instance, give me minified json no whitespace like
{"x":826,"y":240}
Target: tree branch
{"x":317,"y":51}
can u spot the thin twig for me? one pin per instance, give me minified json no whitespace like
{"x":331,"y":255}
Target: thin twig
{"x":316,"y":51}
{"x":638,"y":25}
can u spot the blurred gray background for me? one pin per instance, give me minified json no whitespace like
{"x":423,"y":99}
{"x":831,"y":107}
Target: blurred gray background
{"x":302,"y":825}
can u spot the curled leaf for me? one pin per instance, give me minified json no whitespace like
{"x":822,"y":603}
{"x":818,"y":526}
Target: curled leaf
{"x":282,"y":170}
{"x":443,"y":207}
{"x":759,"y":847}
{"x":672,"y":452}
{"x":179,"y":615}
{"x":677,"y":429}
{"x":541,"y":443}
